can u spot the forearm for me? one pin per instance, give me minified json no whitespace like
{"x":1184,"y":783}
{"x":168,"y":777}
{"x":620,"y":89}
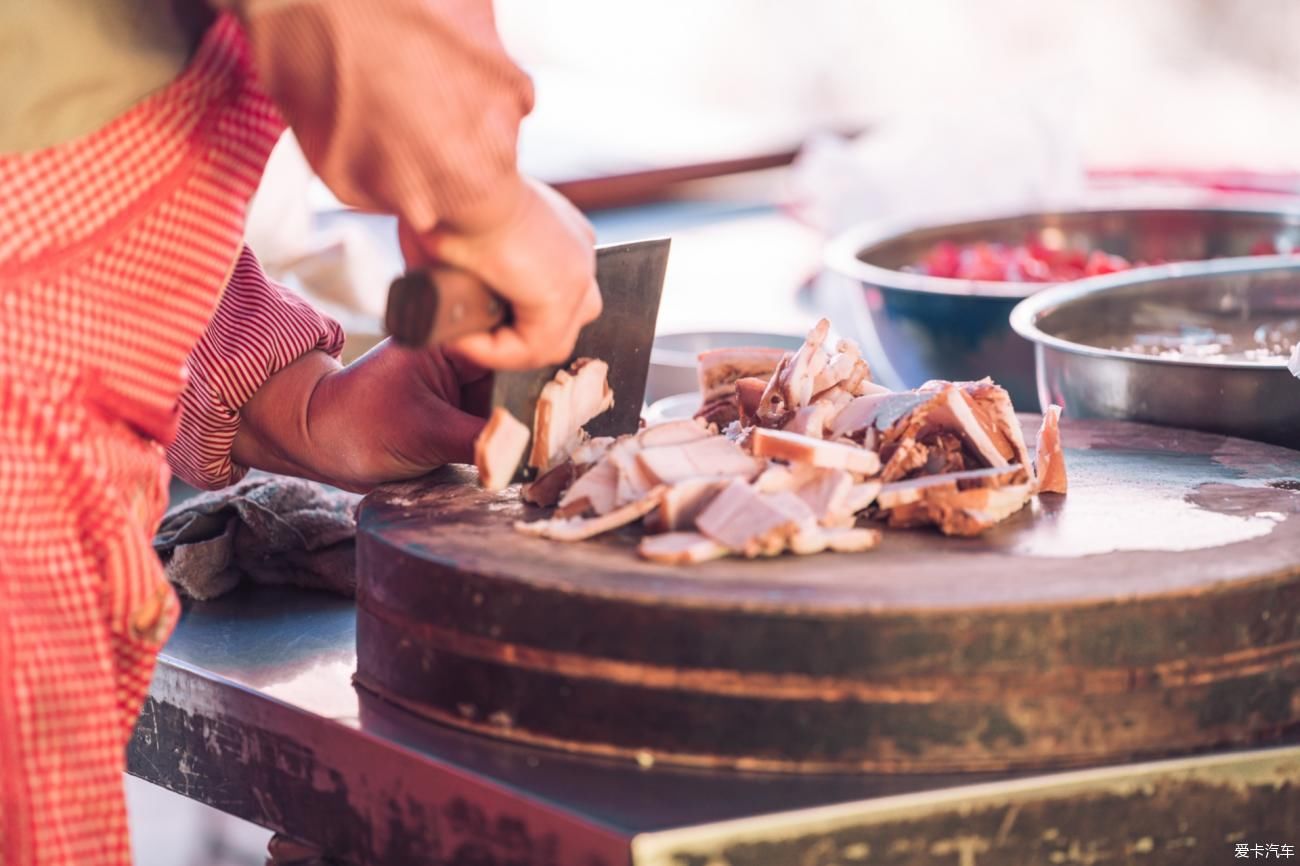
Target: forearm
{"x":275,"y":429}
{"x":409,"y":107}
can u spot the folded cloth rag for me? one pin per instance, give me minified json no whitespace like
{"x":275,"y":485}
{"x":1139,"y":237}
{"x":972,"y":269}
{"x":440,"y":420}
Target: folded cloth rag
{"x":266,"y":529}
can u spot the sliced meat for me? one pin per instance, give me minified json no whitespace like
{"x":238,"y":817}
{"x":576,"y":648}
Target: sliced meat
{"x":793,"y":383}
{"x":633,"y":482}
{"x":672,"y":433}
{"x":815,"y":452}
{"x":826,"y":492}
{"x":811,"y":420}
{"x":499,"y":448}
{"x":914,"y":490}
{"x":546,"y":491}
{"x":566,"y":403}
{"x":841,"y":367}
{"x":853,"y":540}
{"x":963,"y":512}
{"x":991,"y":405}
{"x":1049,"y":458}
{"x":715,"y":456}
{"x":682,"y":503}
{"x":907,"y":457}
{"x":719,"y":412}
{"x":680,"y":548}
{"x":861,"y":495}
{"x":597,"y":488}
{"x":918,"y":415}
{"x":720,"y":369}
{"x":582,"y":528}
{"x":858,"y":415}
{"x":836,"y":539}
{"x":749,"y":393}
{"x":751,"y":523}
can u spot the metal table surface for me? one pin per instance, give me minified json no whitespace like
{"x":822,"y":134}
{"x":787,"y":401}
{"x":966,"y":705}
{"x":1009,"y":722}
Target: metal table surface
{"x":253,"y":711}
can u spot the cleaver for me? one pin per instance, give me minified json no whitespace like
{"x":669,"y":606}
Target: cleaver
{"x":429,"y":307}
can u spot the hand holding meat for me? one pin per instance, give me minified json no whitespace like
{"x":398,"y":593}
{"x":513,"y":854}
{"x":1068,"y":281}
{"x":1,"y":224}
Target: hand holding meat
{"x":536,"y":252}
{"x":391,"y":415}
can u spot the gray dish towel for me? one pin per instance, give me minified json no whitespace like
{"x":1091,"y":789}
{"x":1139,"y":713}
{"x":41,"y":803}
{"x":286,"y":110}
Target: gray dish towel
{"x":266,"y":529}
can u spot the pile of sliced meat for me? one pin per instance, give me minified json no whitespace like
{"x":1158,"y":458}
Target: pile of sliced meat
{"x":791,"y":452}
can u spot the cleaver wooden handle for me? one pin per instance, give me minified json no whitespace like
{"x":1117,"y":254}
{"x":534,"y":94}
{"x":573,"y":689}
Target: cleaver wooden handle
{"x":430,"y":307}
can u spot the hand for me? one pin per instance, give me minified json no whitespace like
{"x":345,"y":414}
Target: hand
{"x":538,"y":255}
{"x":393,"y":414}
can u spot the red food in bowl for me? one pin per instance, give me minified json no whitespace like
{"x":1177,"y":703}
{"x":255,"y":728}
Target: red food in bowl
{"x":1022,"y":263}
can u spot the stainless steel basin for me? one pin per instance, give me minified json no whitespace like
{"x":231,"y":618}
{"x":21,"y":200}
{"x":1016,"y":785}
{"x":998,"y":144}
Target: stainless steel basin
{"x":1079,"y":370}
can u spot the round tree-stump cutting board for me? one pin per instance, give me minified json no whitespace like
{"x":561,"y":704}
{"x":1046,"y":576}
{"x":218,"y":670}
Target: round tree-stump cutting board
{"x":1153,"y":609}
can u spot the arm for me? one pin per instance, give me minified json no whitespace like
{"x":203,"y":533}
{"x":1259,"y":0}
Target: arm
{"x":266,"y":391}
{"x":409,"y":107}
{"x":412,"y":107}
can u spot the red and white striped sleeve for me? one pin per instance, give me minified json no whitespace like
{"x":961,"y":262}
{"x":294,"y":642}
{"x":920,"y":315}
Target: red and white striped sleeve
{"x":259,"y":328}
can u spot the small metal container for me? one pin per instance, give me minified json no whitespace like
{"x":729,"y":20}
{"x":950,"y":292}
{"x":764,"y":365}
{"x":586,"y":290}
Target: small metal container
{"x":1250,"y":399}
{"x":915,"y":327}
{"x":673,"y":364}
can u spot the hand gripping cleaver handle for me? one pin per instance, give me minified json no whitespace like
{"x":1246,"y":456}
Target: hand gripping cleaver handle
{"x":430,"y":307}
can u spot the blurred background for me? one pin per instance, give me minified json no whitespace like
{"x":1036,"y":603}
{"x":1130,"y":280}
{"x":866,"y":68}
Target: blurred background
{"x":751,"y":131}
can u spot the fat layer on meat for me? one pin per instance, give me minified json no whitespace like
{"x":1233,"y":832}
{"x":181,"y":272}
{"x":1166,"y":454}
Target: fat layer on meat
{"x":680,"y":548}
{"x":837,"y":539}
{"x":963,"y":512}
{"x":750,"y":523}
{"x":815,"y":452}
{"x":703,"y":458}
{"x":682,"y":503}
{"x":566,"y":403}
{"x":583,"y":528}
{"x":499,"y":448}
{"x":913,"y":490}
{"x":825,"y":492}
{"x":672,"y":433}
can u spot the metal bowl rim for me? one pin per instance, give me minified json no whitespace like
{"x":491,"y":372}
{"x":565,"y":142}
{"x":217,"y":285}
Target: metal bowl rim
{"x":1025,"y":316}
{"x":841,"y":254}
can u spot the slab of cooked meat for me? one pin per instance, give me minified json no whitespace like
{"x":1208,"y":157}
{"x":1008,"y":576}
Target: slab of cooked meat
{"x":680,"y":548}
{"x":750,"y":523}
{"x":566,"y":403}
{"x":682,"y":503}
{"x":720,"y":369}
{"x":583,"y":528}
{"x":1049,"y":459}
{"x":795,"y":448}
{"x":499,"y":448}
{"x":807,"y":454}
{"x":711,"y":457}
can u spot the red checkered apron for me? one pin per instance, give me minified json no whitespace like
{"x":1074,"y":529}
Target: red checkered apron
{"x":113,"y":252}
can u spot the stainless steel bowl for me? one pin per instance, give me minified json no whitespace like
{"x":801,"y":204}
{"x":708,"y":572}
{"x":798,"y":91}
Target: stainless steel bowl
{"x":673,"y":357}
{"x":1255,"y":400}
{"x":915,"y":327}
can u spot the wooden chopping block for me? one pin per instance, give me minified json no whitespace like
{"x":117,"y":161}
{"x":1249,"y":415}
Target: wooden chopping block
{"x":1154,"y":609}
